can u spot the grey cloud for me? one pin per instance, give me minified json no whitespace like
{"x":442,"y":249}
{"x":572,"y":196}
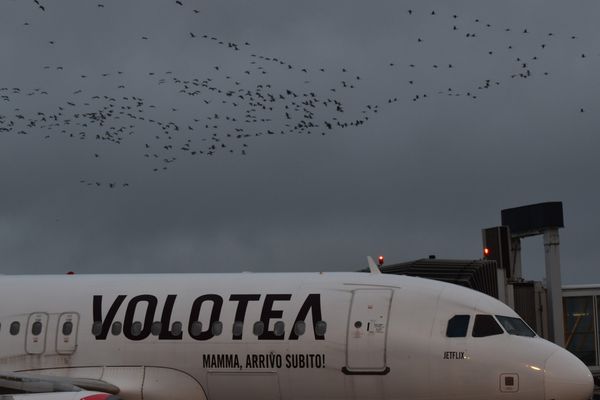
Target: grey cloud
{"x":419,"y":178}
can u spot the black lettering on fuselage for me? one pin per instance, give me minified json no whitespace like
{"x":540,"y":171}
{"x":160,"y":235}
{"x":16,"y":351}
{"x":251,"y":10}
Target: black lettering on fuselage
{"x":268,"y":313}
{"x":110,"y":315}
{"x":454,"y":355}
{"x":214,"y":315}
{"x":305,"y":361}
{"x":148,"y":319}
{"x":312,"y":304}
{"x":220,"y":361}
{"x":165,"y":320}
{"x":240,"y":312}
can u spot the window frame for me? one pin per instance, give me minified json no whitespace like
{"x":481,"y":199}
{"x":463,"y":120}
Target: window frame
{"x":466,"y":328}
{"x":489,"y":317}
{"x":499,"y":318}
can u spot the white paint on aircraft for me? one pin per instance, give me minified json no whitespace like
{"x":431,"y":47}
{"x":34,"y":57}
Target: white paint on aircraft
{"x":277,"y":336}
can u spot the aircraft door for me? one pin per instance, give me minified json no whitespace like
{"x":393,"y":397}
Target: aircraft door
{"x":35,"y":337}
{"x":367,"y":332}
{"x":66,"y":334}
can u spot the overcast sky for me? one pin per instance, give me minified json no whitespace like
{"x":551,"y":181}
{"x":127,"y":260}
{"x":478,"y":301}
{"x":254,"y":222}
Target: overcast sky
{"x":129,"y":142}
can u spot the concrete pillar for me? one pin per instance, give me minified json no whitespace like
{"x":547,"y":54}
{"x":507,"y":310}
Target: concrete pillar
{"x":554,"y":284}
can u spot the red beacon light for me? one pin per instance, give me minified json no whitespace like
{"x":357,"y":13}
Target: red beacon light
{"x":380,"y":260}
{"x":486,"y":251}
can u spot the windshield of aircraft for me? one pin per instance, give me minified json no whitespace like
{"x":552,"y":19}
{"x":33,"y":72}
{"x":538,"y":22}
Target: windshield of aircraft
{"x":515,"y":326}
{"x":457,"y":326}
{"x":486,"y":325}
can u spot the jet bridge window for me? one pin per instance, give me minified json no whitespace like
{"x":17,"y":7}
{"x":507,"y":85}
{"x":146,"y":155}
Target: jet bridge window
{"x":458,"y":325}
{"x":515,"y":326}
{"x":486,"y":325}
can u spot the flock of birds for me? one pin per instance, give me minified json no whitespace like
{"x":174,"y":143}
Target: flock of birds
{"x":224,"y":111}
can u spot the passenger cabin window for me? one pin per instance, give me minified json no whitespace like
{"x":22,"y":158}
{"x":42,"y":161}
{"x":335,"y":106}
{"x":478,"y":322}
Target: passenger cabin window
{"x":116,"y":328}
{"x":321,"y":328}
{"x":515,"y":326}
{"x":486,"y":325}
{"x":258,"y":328}
{"x":176,"y":328}
{"x":300,"y":328}
{"x":279,"y":328}
{"x":136,"y":328}
{"x":457,"y":326}
{"x":155,"y":328}
{"x":36,"y":328}
{"x":67,"y":328}
{"x":216,"y":328}
{"x":196,"y":328}
{"x":15,"y":327}
{"x":238,"y":328}
{"x":96,"y":328}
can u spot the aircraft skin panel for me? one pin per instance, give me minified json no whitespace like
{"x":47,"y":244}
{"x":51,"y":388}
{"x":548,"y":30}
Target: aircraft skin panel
{"x":282,"y":336}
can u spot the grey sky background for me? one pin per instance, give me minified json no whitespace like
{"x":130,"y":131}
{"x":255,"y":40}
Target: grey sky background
{"x":417,"y":178}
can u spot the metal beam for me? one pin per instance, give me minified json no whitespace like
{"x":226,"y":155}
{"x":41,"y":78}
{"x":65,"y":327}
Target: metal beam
{"x":554,"y":285}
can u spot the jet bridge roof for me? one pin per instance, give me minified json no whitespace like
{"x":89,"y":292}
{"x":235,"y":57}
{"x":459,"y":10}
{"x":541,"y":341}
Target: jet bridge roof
{"x":475,"y":274}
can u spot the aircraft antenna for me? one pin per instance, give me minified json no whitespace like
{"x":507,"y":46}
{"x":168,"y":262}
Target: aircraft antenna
{"x":373,"y":268}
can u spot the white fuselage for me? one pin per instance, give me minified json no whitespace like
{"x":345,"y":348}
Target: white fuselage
{"x":275,"y":336}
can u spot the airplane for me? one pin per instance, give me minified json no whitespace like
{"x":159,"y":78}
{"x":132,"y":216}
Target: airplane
{"x":271,"y":336}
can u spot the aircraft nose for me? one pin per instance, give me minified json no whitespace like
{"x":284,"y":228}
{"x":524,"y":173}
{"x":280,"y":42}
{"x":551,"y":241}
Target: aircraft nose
{"x":567,"y":378}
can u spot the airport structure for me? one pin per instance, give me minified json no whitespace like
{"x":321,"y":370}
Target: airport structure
{"x":566,"y":315}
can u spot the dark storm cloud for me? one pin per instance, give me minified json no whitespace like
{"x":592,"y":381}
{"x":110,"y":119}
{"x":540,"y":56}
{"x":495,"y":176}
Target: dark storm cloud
{"x":419,"y":177}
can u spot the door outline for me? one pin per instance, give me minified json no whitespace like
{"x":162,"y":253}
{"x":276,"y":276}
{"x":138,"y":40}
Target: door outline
{"x":366,"y":371}
{"x":71,"y":339}
{"x":36,"y":344}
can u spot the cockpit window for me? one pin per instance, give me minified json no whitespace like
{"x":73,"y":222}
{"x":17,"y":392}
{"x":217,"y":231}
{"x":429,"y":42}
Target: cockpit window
{"x":515,"y":326}
{"x":457,"y":326}
{"x":486,"y":325}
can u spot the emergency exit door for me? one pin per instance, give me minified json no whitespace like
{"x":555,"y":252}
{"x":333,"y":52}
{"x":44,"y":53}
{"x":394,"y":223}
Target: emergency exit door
{"x":35,"y":337}
{"x":66,"y":333}
{"x":367,"y":331}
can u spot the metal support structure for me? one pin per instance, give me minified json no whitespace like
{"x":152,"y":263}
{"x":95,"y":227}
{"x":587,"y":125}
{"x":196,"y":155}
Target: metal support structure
{"x":554,"y":285}
{"x":501,"y":276}
{"x":541,"y":302}
{"x":510,"y":296}
{"x":515,"y":245}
